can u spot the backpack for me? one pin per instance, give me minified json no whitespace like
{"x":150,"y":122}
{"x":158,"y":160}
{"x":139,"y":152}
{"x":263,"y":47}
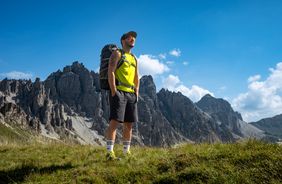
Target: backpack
{"x":104,"y":64}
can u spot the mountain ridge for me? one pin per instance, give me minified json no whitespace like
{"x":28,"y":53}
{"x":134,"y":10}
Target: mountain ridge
{"x":70,"y":104}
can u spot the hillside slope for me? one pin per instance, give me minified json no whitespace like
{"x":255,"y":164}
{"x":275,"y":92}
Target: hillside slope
{"x":245,"y":162}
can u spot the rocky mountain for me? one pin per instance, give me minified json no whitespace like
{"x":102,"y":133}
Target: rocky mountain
{"x":189,"y":120}
{"x":48,"y":109}
{"x":272,"y":125}
{"x":69,"y":105}
{"x":154,"y":128}
{"x":223,"y":114}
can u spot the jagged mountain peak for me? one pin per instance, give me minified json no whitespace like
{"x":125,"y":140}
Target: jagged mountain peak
{"x":147,"y":86}
{"x":271,"y":125}
{"x":148,"y":80}
{"x":77,"y":64}
{"x":147,"y":77}
{"x":222,"y":112}
{"x":76,"y":67}
{"x":207,"y":96}
{"x":277,"y":117}
{"x":165,"y":93}
{"x":211,"y":104}
{"x":164,"y":90}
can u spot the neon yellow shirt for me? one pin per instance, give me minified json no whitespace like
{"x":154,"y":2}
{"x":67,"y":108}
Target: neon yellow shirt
{"x":126,"y":73}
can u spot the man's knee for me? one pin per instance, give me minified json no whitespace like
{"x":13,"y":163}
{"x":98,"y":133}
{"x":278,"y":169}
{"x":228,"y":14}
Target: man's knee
{"x":127,"y":126}
{"x":113,"y":124}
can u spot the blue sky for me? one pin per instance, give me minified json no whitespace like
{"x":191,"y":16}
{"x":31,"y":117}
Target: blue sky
{"x":221,"y":47}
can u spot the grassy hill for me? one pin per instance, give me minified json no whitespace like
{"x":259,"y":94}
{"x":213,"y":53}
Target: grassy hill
{"x":14,"y":135}
{"x":245,"y":162}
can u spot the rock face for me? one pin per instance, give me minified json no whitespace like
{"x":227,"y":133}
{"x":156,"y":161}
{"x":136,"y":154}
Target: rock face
{"x":153,"y":127}
{"x":221,"y":111}
{"x":272,"y":125}
{"x":30,"y":105}
{"x":12,"y":112}
{"x":69,"y":104}
{"x":189,"y":120}
{"x":223,"y":114}
{"x":76,"y":87}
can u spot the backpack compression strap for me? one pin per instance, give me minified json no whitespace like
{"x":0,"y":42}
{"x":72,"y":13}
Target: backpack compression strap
{"x":119,"y":83}
{"x":122,"y":58}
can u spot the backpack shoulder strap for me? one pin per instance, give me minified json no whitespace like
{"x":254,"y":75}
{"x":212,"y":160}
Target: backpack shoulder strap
{"x":120,"y":62}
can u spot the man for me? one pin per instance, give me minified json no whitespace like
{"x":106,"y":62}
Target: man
{"x":124,"y":86}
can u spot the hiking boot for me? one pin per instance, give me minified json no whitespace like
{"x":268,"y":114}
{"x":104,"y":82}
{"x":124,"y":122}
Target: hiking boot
{"x":129,"y":156}
{"x":111,"y":156}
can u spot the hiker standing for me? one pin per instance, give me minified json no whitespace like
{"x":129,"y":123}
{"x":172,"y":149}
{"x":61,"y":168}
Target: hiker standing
{"x":124,"y":85}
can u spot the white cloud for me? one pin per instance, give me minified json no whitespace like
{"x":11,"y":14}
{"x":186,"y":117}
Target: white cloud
{"x":173,"y":83}
{"x":185,"y":63}
{"x":195,"y":93}
{"x":149,"y":65}
{"x":254,"y":78}
{"x":162,"y":56}
{"x":175,"y":52}
{"x":16,"y":75}
{"x":263,"y":98}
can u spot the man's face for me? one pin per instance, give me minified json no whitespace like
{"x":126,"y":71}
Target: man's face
{"x":130,"y":41}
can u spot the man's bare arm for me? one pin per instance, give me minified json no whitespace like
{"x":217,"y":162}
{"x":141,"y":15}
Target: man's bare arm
{"x":115,"y":57}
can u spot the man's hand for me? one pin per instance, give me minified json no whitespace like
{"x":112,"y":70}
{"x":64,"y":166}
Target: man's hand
{"x":113,"y":92}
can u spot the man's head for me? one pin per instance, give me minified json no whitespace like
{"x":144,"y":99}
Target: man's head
{"x":128,"y":39}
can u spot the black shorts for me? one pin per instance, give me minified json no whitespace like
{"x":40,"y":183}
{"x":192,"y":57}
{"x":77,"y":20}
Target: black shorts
{"x":123,"y":107}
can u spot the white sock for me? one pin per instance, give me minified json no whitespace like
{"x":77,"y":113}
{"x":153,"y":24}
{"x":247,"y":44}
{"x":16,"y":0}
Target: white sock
{"x":110,"y":145}
{"x":126,"y":146}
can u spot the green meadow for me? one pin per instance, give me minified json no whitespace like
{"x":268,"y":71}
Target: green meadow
{"x":243,"y":162}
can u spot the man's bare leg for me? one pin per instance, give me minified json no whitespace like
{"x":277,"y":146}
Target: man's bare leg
{"x":111,"y":134}
{"x":127,"y":134}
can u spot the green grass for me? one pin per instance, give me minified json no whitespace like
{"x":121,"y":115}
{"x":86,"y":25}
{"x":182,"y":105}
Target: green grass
{"x":13,"y":135}
{"x":245,"y":162}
